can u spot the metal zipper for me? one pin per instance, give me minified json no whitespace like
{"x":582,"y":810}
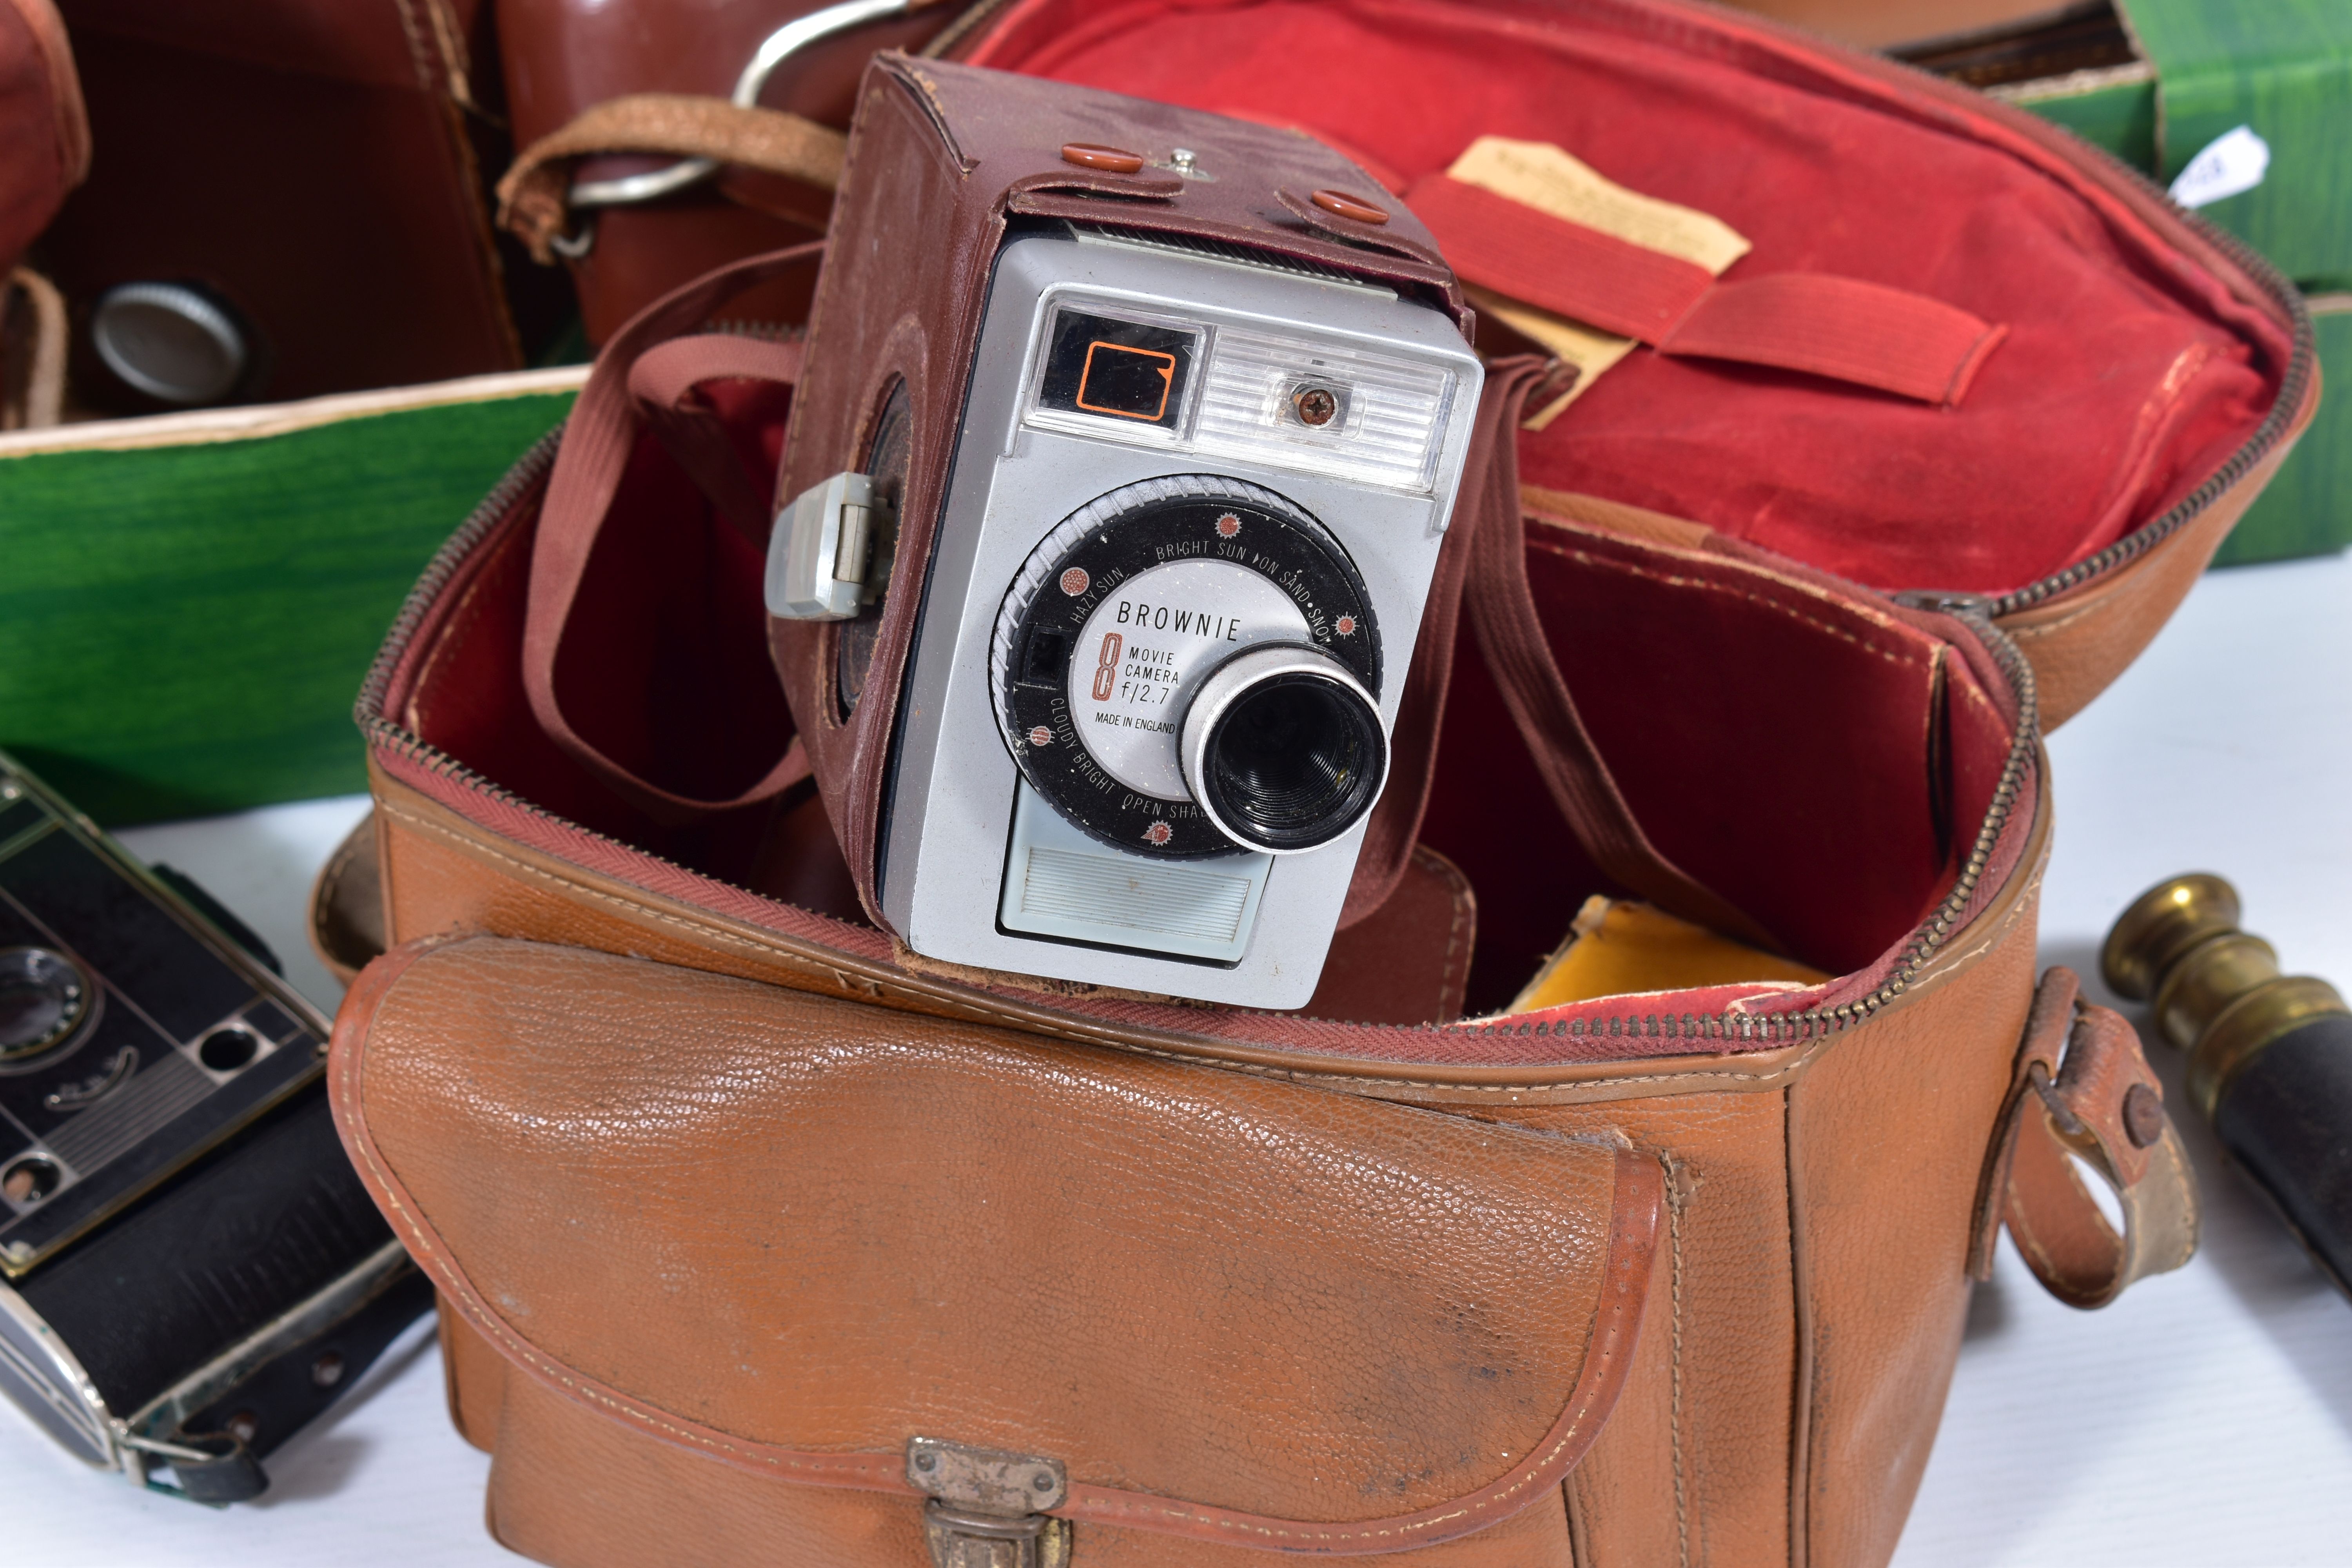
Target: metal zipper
{"x":2266,"y":435}
{"x":1927,"y":941}
{"x":368,"y":712}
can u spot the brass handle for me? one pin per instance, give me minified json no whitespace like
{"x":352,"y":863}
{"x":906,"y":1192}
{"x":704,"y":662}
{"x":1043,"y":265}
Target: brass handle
{"x":2270,"y":1054}
{"x":2216,"y":990}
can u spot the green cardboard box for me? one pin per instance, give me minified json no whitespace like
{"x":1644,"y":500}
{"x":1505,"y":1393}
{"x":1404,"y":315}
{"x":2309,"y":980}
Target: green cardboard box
{"x":2156,"y":82}
{"x":190,"y":602}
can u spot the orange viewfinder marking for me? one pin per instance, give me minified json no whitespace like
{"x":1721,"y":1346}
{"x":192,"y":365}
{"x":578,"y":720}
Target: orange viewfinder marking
{"x":1167,"y":368}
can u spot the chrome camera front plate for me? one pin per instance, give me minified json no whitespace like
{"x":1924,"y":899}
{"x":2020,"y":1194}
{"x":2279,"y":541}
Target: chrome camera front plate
{"x":1183,"y":455}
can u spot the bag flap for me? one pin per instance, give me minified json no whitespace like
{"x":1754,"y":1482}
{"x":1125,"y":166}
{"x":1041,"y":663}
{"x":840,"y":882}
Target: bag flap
{"x":750,"y":1222}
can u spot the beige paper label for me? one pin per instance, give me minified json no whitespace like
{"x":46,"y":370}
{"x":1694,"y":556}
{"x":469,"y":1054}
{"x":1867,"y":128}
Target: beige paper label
{"x":1552,"y":181}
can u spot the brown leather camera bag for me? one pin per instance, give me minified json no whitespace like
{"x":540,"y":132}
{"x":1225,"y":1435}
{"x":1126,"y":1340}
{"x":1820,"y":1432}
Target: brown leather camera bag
{"x":42,"y":125}
{"x":46,"y":128}
{"x":756,"y":1237}
{"x":316,"y":166}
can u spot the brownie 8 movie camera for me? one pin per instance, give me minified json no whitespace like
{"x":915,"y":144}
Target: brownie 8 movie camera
{"x":189,"y":1269}
{"x":1195,"y":504}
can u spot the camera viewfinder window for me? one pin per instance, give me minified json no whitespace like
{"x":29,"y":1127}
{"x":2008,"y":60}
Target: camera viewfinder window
{"x":1118,"y":370}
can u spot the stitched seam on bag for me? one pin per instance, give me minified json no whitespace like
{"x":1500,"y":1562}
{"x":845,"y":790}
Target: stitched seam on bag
{"x":2063,"y":1282}
{"x":2097,"y":604}
{"x":1698,"y":1081}
{"x":1008,"y":1020}
{"x":418,"y":59}
{"x":1675,"y":1199}
{"x":449,"y":42}
{"x":1496,"y":1506}
{"x":2188,"y":1237}
{"x":1459,"y":886}
{"x":1674,"y":580}
{"x":850,"y":983}
{"x":331,"y":878}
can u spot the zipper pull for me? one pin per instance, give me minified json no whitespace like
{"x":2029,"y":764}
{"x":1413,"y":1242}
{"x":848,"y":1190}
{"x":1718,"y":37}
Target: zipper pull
{"x":1948,"y":602}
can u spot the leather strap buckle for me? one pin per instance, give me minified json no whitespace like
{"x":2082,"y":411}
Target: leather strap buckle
{"x":988,"y":1508}
{"x":2101,"y":1105}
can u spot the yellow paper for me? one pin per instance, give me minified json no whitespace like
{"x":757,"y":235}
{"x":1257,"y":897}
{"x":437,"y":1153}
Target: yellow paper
{"x":1618,"y":948}
{"x":1554,"y":180}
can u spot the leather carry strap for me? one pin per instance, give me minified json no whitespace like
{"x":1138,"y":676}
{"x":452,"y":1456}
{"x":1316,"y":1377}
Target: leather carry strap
{"x":2103,"y":1104}
{"x":41,"y":403}
{"x":531,"y":194}
{"x":649,"y":374}
{"x":1511,"y":637}
{"x":1488,"y":499}
{"x":1844,"y":328}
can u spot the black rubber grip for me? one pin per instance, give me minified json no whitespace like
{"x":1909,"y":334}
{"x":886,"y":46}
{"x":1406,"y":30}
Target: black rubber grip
{"x":2287,"y":1120}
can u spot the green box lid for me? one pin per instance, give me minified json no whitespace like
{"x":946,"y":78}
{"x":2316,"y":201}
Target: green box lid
{"x":2284,"y":67}
{"x":191,"y":601}
{"x":2280,"y":68}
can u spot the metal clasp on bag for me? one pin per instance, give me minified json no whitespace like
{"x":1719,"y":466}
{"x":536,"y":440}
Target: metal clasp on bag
{"x":987,"y":1508}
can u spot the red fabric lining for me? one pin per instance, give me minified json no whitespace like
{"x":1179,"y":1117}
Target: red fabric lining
{"x":462,"y":689}
{"x":1777,"y":738}
{"x":674,"y":682}
{"x":1771,"y":740}
{"x":2127,"y":376}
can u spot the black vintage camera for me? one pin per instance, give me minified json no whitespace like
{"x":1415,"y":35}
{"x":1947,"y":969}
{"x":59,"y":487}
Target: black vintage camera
{"x":189,"y":1269}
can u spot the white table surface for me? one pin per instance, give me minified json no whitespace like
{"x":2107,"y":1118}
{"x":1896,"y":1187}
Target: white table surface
{"x":2206,"y":1418}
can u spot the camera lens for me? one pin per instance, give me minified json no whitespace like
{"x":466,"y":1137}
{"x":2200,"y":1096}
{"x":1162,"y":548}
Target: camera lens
{"x":42,"y":999}
{"x":1282,"y":747}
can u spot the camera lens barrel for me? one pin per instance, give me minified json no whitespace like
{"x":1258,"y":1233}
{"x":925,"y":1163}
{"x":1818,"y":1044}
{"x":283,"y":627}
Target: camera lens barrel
{"x":1282,"y":747}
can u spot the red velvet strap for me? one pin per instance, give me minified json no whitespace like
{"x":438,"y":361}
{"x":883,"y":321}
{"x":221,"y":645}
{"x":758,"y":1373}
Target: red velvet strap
{"x":1843,"y":328}
{"x":1488,"y":499}
{"x":1862,"y":333}
{"x":1564,"y":267}
{"x":598,"y":441}
{"x":665,"y":384}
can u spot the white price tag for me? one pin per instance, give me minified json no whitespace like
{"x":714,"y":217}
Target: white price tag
{"x":2232,"y":165}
